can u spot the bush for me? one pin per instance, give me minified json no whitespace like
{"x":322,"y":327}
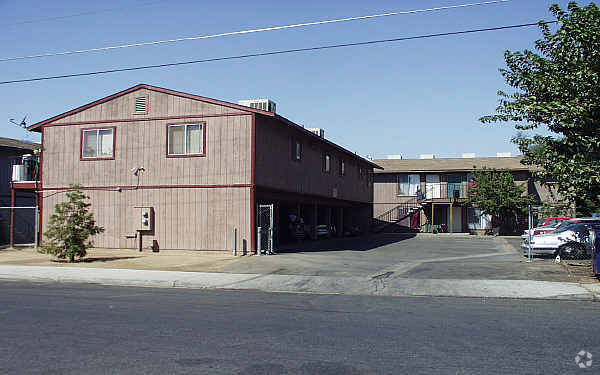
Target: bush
{"x":70,"y":227}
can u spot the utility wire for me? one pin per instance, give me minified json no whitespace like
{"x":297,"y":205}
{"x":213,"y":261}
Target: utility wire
{"x":277,"y":52}
{"x":139,"y":44}
{"x":82,"y":14}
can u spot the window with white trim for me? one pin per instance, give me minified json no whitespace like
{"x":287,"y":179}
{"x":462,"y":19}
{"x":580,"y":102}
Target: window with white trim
{"x":409,"y":184}
{"x":186,"y":139}
{"x":97,"y":143}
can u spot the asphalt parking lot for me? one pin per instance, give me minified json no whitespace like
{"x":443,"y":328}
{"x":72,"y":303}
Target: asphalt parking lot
{"x":407,"y":256}
{"x":421,"y":256}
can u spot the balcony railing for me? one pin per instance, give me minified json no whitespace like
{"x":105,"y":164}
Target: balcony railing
{"x":24,"y":168}
{"x":446,"y":190}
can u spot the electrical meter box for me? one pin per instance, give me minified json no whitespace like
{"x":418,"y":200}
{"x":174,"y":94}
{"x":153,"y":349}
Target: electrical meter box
{"x":146,"y":222}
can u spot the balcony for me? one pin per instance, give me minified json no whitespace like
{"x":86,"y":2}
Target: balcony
{"x":24,"y":171}
{"x":446,"y":192}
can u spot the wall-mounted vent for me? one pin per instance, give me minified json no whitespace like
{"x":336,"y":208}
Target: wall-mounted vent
{"x":394,"y":157}
{"x":141,"y":105}
{"x":503,"y":154}
{"x":468,"y":155}
{"x":317,"y":131}
{"x":427,"y":156}
{"x":262,"y":104}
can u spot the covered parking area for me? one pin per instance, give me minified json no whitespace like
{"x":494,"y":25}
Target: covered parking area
{"x":301,"y":217}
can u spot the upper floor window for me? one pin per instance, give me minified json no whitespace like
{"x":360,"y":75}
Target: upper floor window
{"x":342,"y":168}
{"x":326,"y":163}
{"x":409,"y":184}
{"x":98,"y":143}
{"x":186,"y":139}
{"x":296,"y":150}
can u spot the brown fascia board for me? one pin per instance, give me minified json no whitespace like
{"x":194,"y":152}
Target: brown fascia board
{"x":328,"y":142}
{"x":36,"y":126}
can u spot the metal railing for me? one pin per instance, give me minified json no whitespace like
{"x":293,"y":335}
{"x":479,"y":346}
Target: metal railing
{"x":446,"y":190}
{"x":24,"y":168}
{"x":395,"y":215}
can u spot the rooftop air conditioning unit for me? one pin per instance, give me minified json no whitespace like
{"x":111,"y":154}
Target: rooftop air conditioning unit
{"x":262,"y":104}
{"x":317,"y":131}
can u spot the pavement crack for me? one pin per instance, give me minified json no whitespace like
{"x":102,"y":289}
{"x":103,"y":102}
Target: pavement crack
{"x":382,"y":276}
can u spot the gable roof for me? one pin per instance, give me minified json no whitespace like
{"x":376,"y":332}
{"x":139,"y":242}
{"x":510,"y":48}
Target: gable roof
{"x":15,"y":143}
{"x":37,"y":126}
{"x":451,"y":164}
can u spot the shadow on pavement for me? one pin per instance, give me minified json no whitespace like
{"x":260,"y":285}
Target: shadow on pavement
{"x":93,"y":259}
{"x":363,"y":243}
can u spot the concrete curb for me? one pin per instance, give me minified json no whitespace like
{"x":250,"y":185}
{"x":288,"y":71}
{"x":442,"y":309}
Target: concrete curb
{"x":379,"y":285}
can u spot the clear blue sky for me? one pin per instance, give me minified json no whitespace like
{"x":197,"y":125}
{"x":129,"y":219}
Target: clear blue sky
{"x":409,"y":98}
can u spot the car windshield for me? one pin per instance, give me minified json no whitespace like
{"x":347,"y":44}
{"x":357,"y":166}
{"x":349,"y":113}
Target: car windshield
{"x":563,"y":227}
{"x":554,"y":222}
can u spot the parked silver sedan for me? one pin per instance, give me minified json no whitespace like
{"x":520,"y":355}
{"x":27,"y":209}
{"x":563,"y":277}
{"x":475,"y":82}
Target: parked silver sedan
{"x":568,"y":240}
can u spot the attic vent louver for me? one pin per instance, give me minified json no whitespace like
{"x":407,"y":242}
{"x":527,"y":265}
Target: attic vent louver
{"x":141,"y":104}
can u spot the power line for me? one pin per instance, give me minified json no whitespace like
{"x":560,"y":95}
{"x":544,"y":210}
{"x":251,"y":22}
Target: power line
{"x":273,"y":28}
{"x":82,"y":14}
{"x":277,"y":52}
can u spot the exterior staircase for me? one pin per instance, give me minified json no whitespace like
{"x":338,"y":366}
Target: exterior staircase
{"x":395,"y":215}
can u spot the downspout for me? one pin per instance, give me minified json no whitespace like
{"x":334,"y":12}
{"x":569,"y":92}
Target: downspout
{"x":253,"y":244}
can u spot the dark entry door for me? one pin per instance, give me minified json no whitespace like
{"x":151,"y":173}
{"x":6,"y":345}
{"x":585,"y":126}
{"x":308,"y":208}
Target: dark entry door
{"x":264,"y":222}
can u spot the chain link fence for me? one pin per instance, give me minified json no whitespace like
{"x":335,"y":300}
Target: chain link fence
{"x":565,"y":232}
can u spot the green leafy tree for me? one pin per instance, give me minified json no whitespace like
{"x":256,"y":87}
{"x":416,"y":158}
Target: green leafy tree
{"x":558,"y":90}
{"x":71,"y":227}
{"x":495,"y":193}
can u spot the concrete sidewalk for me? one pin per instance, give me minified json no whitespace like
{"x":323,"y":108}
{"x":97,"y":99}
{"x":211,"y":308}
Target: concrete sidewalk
{"x":380,"y":285}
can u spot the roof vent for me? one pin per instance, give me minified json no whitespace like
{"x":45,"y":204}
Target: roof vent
{"x":317,"y":131}
{"x":468,"y":155}
{"x":503,"y":154}
{"x":394,"y":157}
{"x":141,"y":104}
{"x":427,"y":156}
{"x":262,"y":104}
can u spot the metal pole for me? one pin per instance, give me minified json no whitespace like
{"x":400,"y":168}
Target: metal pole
{"x":530,"y":229}
{"x":37,"y":227}
{"x":234,"y":242}
{"x":140,"y":241}
{"x":258,"y":240}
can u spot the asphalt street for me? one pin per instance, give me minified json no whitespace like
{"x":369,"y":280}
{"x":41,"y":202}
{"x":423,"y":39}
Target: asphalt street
{"x":91,"y":329}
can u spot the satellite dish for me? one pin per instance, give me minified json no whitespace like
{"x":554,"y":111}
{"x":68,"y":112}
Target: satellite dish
{"x":22,"y":124}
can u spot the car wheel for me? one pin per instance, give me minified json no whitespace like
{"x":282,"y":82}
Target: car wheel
{"x":571,"y":251}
